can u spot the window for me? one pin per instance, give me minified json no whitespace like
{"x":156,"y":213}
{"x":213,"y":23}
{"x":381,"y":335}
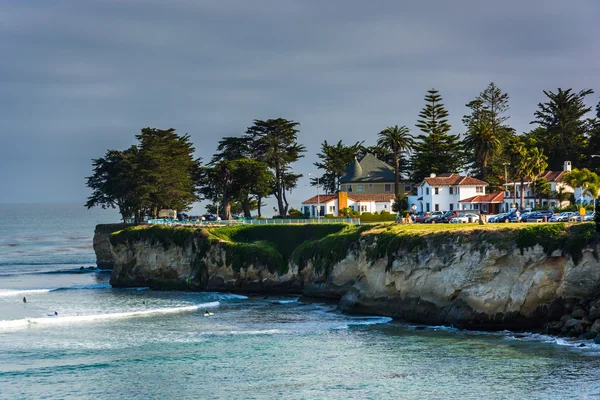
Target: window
{"x":437,"y":207}
{"x":370,"y":186}
{"x":479,"y":189}
{"x":363,"y":208}
{"x":407,"y":187}
{"x":349,"y":188}
{"x":342,"y":188}
{"x":451,"y":206}
{"x":331,"y":209}
{"x":388,"y":187}
{"x":451,"y":190}
{"x":427,"y":190}
{"x":437,"y":190}
{"x":427,"y":207}
{"x":385,"y":206}
{"x":484,"y":207}
{"x":475,"y":206}
{"x":360,"y":188}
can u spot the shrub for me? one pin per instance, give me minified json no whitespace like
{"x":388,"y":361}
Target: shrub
{"x":293,"y":213}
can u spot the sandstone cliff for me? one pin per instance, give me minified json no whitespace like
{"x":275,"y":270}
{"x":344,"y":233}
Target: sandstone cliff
{"x":483,"y":278}
{"x":101,"y":243}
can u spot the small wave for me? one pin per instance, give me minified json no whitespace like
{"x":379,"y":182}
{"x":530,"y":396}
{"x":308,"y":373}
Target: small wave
{"x":369,"y":321}
{"x":231,"y":296}
{"x":285,"y":301}
{"x":23,"y":323}
{"x":57,"y":271}
{"x":19,"y":292}
{"x":248,"y":332}
{"x":81,"y":287}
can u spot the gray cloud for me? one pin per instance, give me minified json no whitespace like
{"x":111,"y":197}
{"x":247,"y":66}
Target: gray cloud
{"x":80,"y":77}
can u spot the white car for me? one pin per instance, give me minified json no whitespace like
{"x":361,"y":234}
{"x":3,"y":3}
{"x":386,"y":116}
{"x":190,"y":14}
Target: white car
{"x":589,"y":216}
{"x":463,"y":219}
{"x":563,"y":217}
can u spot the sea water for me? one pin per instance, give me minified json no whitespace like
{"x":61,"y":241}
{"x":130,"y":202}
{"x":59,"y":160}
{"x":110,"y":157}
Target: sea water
{"x":138,"y":343}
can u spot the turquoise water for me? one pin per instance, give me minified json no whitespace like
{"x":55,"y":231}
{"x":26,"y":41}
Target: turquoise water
{"x":141,"y":344}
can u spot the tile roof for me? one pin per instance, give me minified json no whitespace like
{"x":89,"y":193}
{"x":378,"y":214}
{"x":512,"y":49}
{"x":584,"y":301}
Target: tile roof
{"x":550,"y":176}
{"x":357,"y":197}
{"x":324,"y":198}
{"x":497,"y":197}
{"x":369,"y":169}
{"x":454,"y":180}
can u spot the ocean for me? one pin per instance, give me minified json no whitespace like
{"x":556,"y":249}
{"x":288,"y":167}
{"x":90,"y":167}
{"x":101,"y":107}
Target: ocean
{"x":138,"y":343}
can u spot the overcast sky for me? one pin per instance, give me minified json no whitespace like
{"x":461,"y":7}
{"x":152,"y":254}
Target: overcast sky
{"x":80,"y":76}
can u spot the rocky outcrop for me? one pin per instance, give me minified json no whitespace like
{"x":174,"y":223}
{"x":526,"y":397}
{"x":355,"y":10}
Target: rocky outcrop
{"x":104,"y":258}
{"x":479,"y":278}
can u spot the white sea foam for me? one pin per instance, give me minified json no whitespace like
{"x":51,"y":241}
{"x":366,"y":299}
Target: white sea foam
{"x":20,"y":292}
{"x":369,"y":321}
{"x":247,"y":332}
{"x":285,"y":301}
{"x":55,"y":320}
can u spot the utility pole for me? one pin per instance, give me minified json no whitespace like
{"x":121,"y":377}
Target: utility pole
{"x":506,"y":164}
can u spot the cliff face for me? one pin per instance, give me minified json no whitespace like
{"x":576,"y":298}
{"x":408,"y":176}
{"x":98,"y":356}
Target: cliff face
{"x":477,"y":278}
{"x":101,"y":243}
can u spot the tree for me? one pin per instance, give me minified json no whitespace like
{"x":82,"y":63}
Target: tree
{"x":542,"y":188}
{"x":487,"y":133}
{"x":586,"y":180}
{"x":397,"y":140}
{"x":167,"y":170}
{"x":333,"y":160}
{"x":160,"y":172}
{"x":534,"y":164}
{"x":114,"y":183}
{"x":483,"y":145}
{"x":232,"y":177}
{"x":436,"y":150}
{"x":275,"y":142}
{"x":563,"y":127}
{"x":400,"y":203}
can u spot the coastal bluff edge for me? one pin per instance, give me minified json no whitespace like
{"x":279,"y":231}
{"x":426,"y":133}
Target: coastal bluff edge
{"x":476,"y":277}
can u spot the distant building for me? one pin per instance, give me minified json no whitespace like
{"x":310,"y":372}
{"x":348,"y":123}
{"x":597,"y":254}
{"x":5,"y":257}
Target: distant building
{"x":555,"y":178}
{"x":371,"y":175}
{"x":484,"y":204}
{"x":359,"y":202}
{"x":444,"y":192}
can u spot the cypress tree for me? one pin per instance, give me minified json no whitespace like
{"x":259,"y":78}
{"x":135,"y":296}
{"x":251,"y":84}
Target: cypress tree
{"x":436,"y":150}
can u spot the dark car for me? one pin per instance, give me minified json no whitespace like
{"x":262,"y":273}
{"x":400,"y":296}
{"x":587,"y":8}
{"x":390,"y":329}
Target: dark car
{"x":447,"y":216}
{"x":544,"y":215}
{"x":506,"y":217}
{"x":422,"y":216}
{"x":209,"y":217}
{"x":434,"y":218}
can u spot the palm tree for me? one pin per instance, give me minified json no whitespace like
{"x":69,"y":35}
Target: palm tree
{"x":538,"y":162}
{"x":578,"y":178}
{"x":397,"y":140}
{"x":592,"y":187}
{"x":542,"y":188}
{"x":482,"y":141}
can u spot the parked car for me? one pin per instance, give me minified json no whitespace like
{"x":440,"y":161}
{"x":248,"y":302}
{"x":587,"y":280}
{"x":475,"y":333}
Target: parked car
{"x":434,"y":217}
{"x":495,"y":218}
{"x":447,"y":217}
{"x":563,"y":216}
{"x":506,"y":217}
{"x":540,"y":215}
{"x":422,"y":216}
{"x":463,"y":219}
{"x":589,"y":216}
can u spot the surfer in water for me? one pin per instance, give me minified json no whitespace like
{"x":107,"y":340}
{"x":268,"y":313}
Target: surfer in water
{"x":208,"y":314}
{"x":55,"y":314}
{"x":24,"y":300}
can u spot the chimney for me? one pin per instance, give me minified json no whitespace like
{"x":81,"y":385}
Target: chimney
{"x":432,"y":175}
{"x":342,"y":200}
{"x":567,"y":166}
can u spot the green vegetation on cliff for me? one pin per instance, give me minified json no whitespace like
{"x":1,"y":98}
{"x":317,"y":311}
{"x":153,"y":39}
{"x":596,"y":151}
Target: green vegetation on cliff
{"x":274,"y":247}
{"x":270,"y":246}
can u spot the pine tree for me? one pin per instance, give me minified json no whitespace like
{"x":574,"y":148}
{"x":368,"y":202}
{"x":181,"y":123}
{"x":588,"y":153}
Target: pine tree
{"x":487,"y":134}
{"x":436,"y":150}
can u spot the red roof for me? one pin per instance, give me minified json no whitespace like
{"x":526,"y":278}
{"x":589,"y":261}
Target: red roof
{"x":550,"y":176}
{"x":497,"y":197}
{"x":326,"y":198}
{"x":454,"y":180}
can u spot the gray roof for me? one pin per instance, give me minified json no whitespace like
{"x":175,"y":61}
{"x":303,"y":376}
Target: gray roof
{"x":369,"y":169}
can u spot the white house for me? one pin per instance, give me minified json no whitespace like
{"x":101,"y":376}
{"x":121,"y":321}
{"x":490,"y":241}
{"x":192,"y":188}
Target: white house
{"x":444,"y":192}
{"x":512,"y":195}
{"x":360,"y":202}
